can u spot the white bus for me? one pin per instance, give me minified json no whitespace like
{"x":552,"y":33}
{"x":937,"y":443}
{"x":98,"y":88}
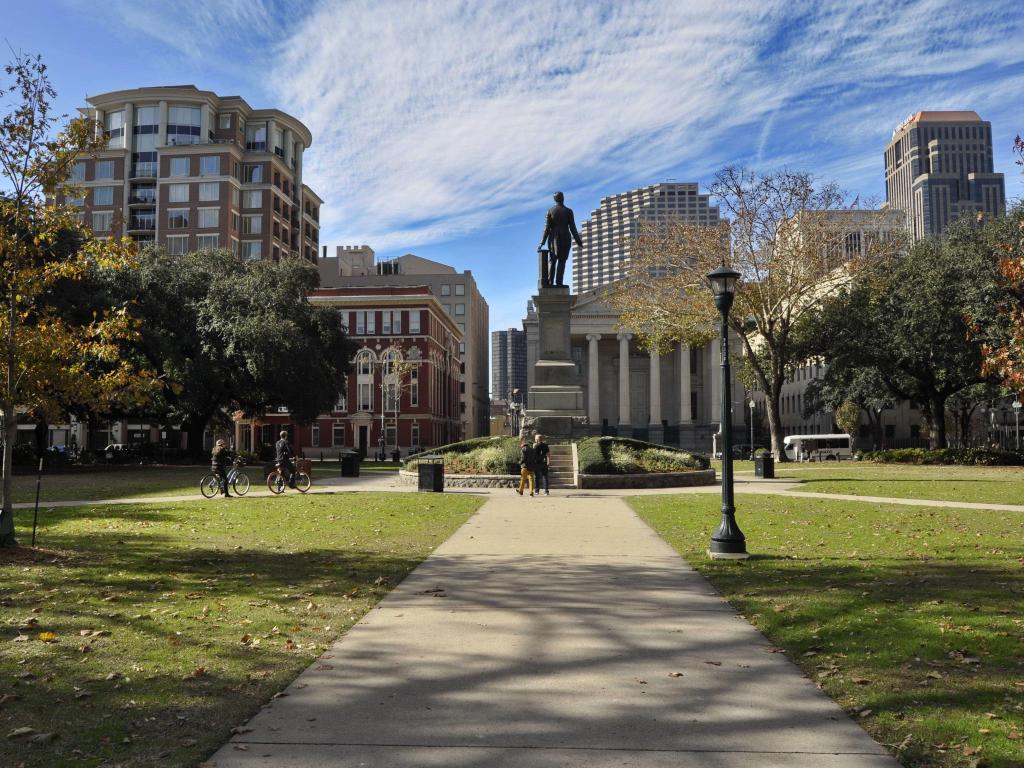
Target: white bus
{"x":817,"y":447}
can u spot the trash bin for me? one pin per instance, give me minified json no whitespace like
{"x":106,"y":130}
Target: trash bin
{"x":764,"y":467}
{"x":431,"y":473}
{"x":349,"y":463}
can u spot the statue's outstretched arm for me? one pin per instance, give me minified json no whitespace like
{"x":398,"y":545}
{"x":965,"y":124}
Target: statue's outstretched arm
{"x":572,"y":228}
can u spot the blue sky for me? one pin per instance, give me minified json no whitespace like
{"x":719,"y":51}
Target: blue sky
{"x":442,"y":128}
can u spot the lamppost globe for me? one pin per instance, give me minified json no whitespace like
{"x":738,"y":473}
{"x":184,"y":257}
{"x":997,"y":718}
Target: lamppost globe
{"x":728,"y":542}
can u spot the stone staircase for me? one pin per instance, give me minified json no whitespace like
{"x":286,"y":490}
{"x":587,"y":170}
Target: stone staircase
{"x":560,"y":466}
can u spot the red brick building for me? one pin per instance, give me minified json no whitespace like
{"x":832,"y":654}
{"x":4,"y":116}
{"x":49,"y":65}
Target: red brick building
{"x":403,"y":385}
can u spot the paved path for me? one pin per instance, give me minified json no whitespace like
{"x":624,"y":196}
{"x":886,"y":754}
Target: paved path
{"x":553,"y":632}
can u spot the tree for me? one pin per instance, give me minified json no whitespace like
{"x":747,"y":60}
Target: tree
{"x":915,"y":326}
{"x":1004,"y":341}
{"x":231,"y":335}
{"x":782,"y":234}
{"x":50,"y":356}
{"x":848,"y":417}
{"x":861,"y":386}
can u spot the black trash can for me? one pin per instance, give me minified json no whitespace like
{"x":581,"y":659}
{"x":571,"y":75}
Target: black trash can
{"x":764,"y":467}
{"x":431,"y":473}
{"x":349,"y":463}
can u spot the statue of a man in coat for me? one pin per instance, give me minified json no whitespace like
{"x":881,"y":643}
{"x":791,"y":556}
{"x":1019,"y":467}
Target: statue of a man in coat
{"x":559,"y":232}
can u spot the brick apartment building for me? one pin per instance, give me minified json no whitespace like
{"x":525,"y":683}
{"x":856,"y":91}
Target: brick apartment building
{"x":390,"y":323}
{"x":190,"y":170}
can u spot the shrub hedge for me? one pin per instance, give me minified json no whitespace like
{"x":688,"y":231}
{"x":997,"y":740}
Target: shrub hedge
{"x":980,"y":457}
{"x":479,"y":456}
{"x":623,"y":456}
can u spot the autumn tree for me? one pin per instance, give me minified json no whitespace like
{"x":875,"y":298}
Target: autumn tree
{"x":48,"y":356}
{"x":1003,"y":349}
{"x":781,"y":231}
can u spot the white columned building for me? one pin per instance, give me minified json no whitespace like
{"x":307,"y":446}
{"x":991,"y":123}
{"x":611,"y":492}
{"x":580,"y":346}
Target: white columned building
{"x":671,"y":398}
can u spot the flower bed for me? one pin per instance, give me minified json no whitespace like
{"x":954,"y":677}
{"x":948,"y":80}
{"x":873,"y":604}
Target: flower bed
{"x":622,"y":456}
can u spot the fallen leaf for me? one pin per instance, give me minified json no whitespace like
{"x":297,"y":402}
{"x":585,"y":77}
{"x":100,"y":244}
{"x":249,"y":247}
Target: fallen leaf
{"x":860,"y":680}
{"x":48,"y":637}
{"x":714,"y":663}
{"x":17,"y":733}
{"x":675,"y":674}
{"x":246,"y":639}
{"x":985,"y":731}
{"x":865,"y":712}
{"x":239,"y":729}
{"x":43,"y":738}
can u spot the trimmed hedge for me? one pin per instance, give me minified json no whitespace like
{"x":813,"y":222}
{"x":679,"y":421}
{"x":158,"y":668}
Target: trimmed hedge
{"x":479,"y":456}
{"x":624,"y":456}
{"x":975,"y":457}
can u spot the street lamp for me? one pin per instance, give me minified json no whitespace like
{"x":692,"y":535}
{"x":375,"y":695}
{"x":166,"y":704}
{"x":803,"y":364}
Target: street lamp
{"x":728,"y":542}
{"x":752,"y":406}
{"x":1016,"y":420}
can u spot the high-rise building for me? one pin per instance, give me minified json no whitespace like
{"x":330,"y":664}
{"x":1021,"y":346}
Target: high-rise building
{"x":457,"y":292}
{"x":508,"y":364}
{"x":938,"y":165}
{"x":190,"y":170}
{"x":608,"y":234}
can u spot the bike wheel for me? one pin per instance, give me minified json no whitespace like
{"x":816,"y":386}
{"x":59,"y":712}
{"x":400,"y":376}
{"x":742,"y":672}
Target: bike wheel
{"x":302,"y":482}
{"x":209,"y":486}
{"x":275,"y":482}
{"x":241,"y":484}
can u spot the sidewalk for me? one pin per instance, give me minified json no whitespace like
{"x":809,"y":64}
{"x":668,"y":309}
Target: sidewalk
{"x":553,"y":632}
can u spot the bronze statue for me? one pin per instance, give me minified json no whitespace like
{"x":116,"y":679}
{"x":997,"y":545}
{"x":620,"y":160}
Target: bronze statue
{"x":559,"y":232}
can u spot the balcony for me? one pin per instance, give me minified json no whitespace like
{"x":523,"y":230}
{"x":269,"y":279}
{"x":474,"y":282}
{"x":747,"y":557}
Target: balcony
{"x":142,"y":224}
{"x":149,"y":200}
{"x":144,"y":171}
{"x":255,"y":146}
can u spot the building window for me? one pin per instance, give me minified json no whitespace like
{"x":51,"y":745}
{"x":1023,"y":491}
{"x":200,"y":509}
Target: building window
{"x":104,"y":169}
{"x":252,"y":225}
{"x":252,"y":250}
{"x":253,"y":173}
{"x":177,"y":193}
{"x":460,"y":289}
{"x":339,"y":434}
{"x":396,"y":322}
{"x":209,"y":242}
{"x":177,"y":218}
{"x":365,"y":402}
{"x":236,"y":197}
{"x":414,"y":321}
{"x":184,"y":125}
{"x":177,"y":245}
{"x":256,"y":137}
{"x":340,"y":405}
{"x":364,"y":365}
{"x":209,"y":166}
{"x":447,"y":308}
{"x":253,"y":198}
{"x":209,"y":190}
{"x":102,"y":221}
{"x":415,"y":436}
{"x":462,"y":347}
{"x":102,"y":196}
{"x":414,"y":388}
{"x":77,"y":172}
{"x":360,"y":323}
{"x":386,"y":323}
{"x":462,"y":327}
{"x":113,"y":129}
{"x":446,"y":290}
{"x":179,"y":166}
{"x":460,"y":309}
{"x":224,"y":122}
{"x":314,"y":435}
{"x":209,"y":218}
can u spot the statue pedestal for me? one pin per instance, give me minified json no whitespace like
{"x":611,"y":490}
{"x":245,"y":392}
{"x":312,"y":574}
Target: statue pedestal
{"x":555,"y":401}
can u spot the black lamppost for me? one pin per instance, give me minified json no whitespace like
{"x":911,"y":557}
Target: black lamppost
{"x":728,"y":542}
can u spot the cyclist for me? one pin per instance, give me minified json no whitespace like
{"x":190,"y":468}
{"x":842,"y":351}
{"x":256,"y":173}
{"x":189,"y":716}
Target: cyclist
{"x":283,"y":455}
{"x":220,"y":462}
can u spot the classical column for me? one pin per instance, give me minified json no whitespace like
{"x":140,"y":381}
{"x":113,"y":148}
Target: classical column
{"x":655,"y":377}
{"x":593,"y":387}
{"x":685,"y":415}
{"x":624,"y":378}
{"x":714,"y":358}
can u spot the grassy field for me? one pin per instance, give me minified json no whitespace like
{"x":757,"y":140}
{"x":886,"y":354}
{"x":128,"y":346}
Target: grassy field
{"x":145,"y":633}
{"x":910,"y":617}
{"x":998,"y":485}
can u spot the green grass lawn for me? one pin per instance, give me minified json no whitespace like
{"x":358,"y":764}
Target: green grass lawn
{"x":997,"y":485}
{"x":910,"y":617}
{"x":114,"y":482}
{"x":174,"y":623}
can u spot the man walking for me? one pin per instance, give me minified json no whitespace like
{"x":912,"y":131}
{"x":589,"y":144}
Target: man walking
{"x":541,"y":449}
{"x":527,"y":468}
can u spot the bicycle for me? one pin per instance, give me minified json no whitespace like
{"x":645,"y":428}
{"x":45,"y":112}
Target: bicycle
{"x":237,"y":480}
{"x":277,"y":481}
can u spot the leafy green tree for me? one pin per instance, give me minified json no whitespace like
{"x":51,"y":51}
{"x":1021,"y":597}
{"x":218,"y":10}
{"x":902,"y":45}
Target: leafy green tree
{"x":914,"y":326}
{"x":49,"y":355}
{"x":861,"y":386}
{"x":848,"y":417}
{"x":231,"y":335}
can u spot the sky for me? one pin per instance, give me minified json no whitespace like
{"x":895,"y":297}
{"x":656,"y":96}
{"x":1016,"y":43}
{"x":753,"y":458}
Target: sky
{"x":442,"y":128}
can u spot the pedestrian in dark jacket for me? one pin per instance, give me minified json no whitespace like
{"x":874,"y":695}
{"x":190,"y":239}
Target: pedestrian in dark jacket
{"x":542,"y":450}
{"x":527,"y":467}
{"x":220,"y":461}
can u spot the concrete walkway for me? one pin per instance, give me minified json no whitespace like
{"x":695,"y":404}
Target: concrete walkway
{"x":550,"y":632}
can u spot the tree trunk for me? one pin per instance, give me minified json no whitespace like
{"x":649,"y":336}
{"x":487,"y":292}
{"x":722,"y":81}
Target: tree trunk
{"x":775,"y":428}
{"x":937,"y":422}
{"x":194,"y":430}
{"x":875,"y":422}
{"x":7,"y":512}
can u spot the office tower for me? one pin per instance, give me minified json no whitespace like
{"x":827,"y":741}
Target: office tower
{"x":938,"y":165}
{"x":190,"y":170}
{"x":607,"y":235}
{"x":508,"y":364}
